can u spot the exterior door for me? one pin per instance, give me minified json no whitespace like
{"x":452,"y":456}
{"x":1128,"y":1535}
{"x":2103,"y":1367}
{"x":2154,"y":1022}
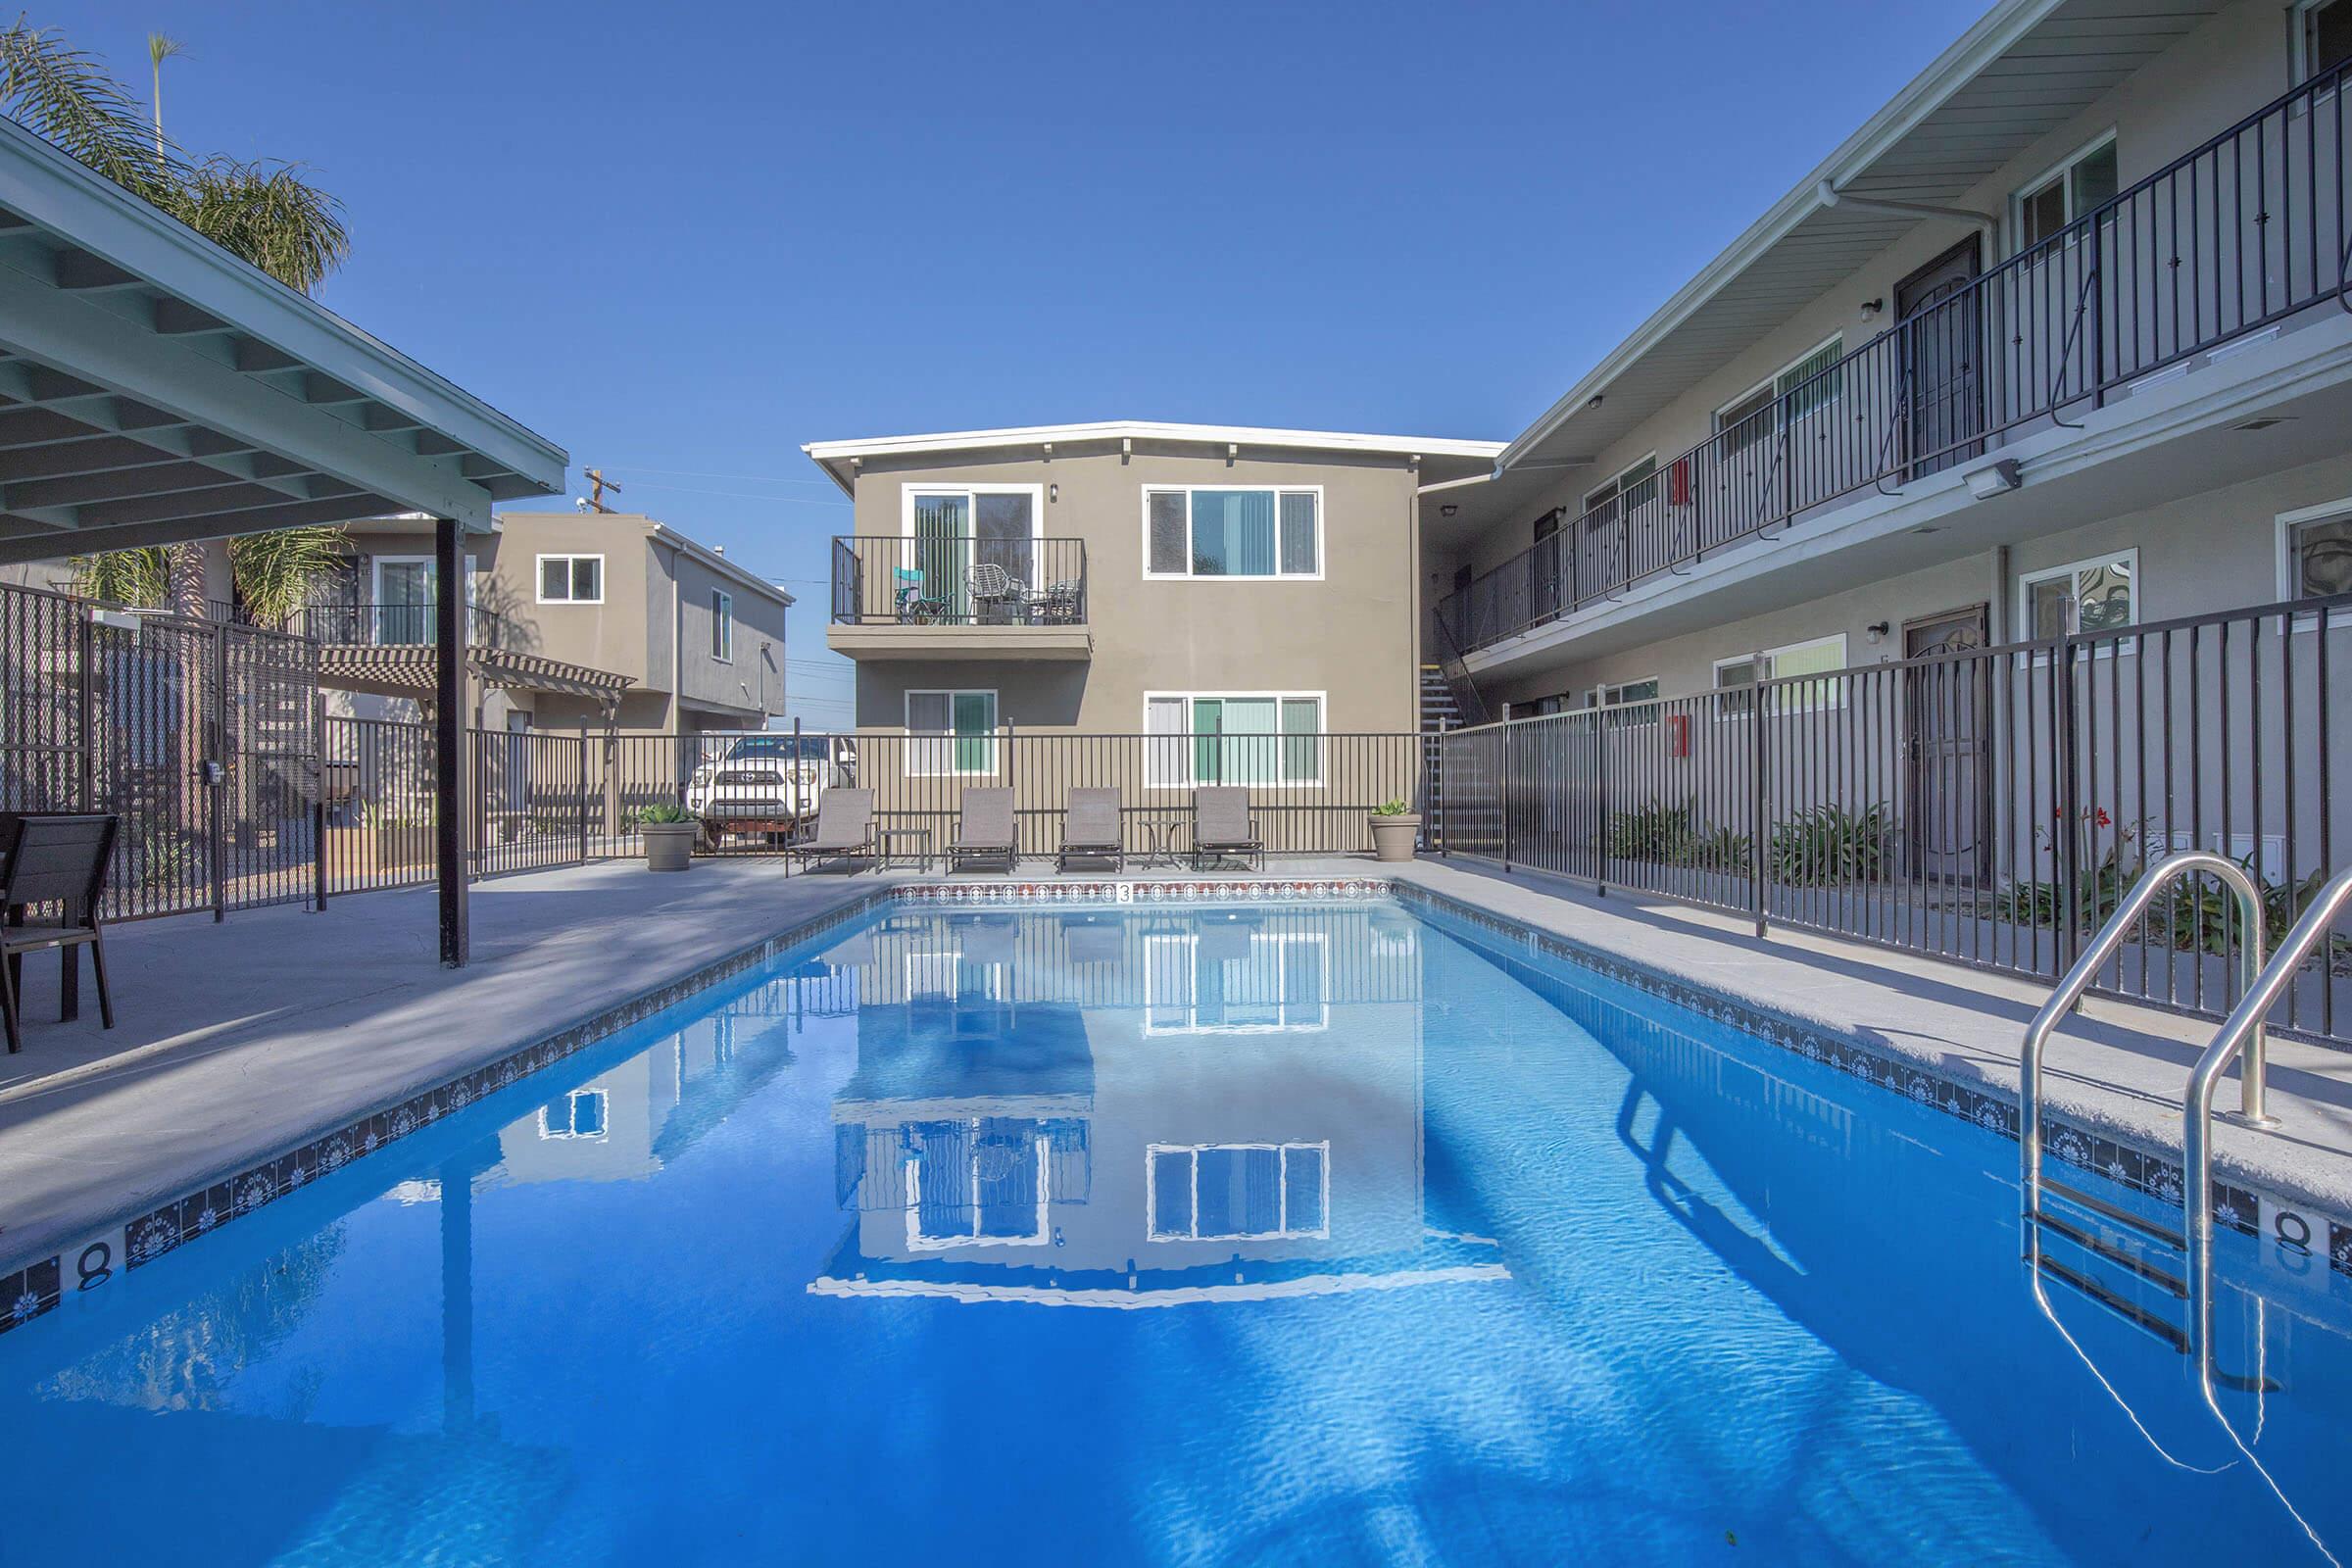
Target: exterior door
{"x":1545,"y":587}
{"x":1941,"y":321}
{"x":405,"y":617}
{"x":1947,"y":791}
{"x":943,"y":551}
{"x":1004,"y":535}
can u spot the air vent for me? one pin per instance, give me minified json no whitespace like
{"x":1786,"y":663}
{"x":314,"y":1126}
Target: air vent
{"x":2265,"y":422}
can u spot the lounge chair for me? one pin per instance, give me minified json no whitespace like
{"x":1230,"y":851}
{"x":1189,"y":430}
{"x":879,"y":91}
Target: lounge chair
{"x":60,"y":862}
{"x":1222,"y":827}
{"x":1091,"y":829}
{"x":844,"y":828}
{"x":984,"y":829}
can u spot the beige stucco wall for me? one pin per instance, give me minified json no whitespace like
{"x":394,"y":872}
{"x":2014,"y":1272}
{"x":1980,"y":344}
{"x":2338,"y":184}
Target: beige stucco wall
{"x":2226,"y":70}
{"x":1349,"y":635}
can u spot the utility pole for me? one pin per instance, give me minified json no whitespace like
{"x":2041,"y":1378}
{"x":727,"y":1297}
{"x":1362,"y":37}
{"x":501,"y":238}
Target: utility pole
{"x":598,"y":484}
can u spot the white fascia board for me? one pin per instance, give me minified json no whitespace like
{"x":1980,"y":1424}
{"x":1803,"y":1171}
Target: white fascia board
{"x":734,"y":571}
{"x":830,"y":452}
{"x":91,"y":212}
{"x":1995,"y":32}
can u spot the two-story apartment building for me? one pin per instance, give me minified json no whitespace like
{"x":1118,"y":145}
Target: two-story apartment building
{"x":1131,"y":578}
{"x":578,"y":618}
{"x":2058,"y":337}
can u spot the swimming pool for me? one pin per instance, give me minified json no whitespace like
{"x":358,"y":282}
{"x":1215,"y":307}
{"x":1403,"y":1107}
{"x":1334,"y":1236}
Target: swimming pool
{"x":1193,"y":1234}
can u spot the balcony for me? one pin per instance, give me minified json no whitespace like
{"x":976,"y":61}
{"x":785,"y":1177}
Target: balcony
{"x":958,"y":596}
{"x":2227,"y":242}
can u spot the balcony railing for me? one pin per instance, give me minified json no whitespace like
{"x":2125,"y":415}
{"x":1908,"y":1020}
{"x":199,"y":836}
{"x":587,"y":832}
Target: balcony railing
{"x":958,"y":580}
{"x":2226,"y":240}
{"x":409,"y":626}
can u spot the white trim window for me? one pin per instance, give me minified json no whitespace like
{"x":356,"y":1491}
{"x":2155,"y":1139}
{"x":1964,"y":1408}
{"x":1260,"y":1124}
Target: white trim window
{"x":1816,"y":656}
{"x":1793,"y":393}
{"x":1233,"y":532}
{"x":406,"y":602}
{"x":1275,"y":982}
{"x":976,"y":1183}
{"x":952,"y":528}
{"x":950,"y":734}
{"x":2315,"y":552}
{"x":2322,"y":37}
{"x":1619,"y":702}
{"x":722,"y":625}
{"x":571,"y":579}
{"x":583,"y":1113}
{"x":1236,"y":1192}
{"x":1631,"y":487}
{"x":1193,"y":738}
{"x":2104,"y":590}
{"x":2044,"y":206}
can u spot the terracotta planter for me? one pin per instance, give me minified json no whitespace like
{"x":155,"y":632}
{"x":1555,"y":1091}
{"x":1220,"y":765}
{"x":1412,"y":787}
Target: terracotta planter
{"x":1393,"y":836}
{"x":668,"y":846}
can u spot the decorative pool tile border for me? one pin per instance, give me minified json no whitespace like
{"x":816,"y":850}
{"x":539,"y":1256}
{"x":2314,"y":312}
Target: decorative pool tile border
{"x":28,"y":1292}
{"x":38,"y":1287}
{"x":2153,"y":1173}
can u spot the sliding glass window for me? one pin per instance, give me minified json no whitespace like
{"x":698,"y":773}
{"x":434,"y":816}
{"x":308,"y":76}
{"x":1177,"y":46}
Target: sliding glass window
{"x":1217,"y":532}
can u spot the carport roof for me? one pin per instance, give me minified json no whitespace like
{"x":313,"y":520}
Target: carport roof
{"x":155,"y":388}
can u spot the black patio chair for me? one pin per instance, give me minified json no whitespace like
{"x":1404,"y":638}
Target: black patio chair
{"x":56,"y":865}
{"x":1222,"y":828}
{"x":1091,"y":830}
{"x":984,"y":829}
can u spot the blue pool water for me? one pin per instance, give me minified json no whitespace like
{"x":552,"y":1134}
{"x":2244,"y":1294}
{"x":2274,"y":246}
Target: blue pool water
{"x":1269,"y":1235}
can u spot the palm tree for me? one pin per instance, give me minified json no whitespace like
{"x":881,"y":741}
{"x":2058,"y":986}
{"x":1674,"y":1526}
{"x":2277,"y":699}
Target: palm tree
{"x":266,"y":213}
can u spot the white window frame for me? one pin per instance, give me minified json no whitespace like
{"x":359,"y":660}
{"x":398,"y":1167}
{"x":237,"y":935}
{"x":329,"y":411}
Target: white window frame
{"x":431,"y":564}
{"x":909,"y":493}
{"x":1277,"y":491}
{"x":950,"y":738}
{"x":1282,"y":1183}
{"x":1284,"y":1023}
{"x":2286,"y":523}
{"x":722,"y":626}
{"x":539,"y":575}
{"x":1725,"y":709}
{"x":1834,"y":340}
{"x":550,"y":1131}
{"x":2110,"y":643}
{"x":2298,"y":40}
{"x":2058,"y":171}
{"x":1041,"y":1149}
{"x":1615,"y":483}
{"x":1322,"y":735}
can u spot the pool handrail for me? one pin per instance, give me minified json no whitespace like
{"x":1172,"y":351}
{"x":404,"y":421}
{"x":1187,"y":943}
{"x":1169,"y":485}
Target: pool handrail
{"x":2158,"y":878}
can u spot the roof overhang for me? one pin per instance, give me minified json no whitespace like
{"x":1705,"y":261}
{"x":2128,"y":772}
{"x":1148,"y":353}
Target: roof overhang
{"x":155,"y":388}
{"x":2022,"y":72}
{"x":839,"y":458}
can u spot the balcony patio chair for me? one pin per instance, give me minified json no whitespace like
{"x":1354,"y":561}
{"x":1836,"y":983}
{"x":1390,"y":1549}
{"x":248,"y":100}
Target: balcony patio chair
{"x":984,"y":829}
{"x":1222,"y":827}
{"x":59,"y":863}
{"x":1092,"y":829}
{"x":996,"y":598}
{"x":912,"y":604}
{"x":845,"y":829}
{"x":1057,"y":606}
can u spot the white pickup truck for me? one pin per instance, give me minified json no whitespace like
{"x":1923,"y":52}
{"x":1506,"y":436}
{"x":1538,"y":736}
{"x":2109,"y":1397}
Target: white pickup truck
{"x":766,"y":783}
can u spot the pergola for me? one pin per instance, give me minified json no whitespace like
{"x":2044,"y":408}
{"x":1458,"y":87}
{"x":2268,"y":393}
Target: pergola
{"x":155,"y":389}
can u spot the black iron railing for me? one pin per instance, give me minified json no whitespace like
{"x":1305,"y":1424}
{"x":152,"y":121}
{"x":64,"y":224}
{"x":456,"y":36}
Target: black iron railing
{"x":1990,"y":806}
{"x":409,"y":626}
{"x":958,"y":580}
{"x":2228,"y":240}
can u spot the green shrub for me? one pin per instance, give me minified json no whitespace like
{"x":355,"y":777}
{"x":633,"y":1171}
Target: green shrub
{"x":1824,"y":846}
{"x":665,"y":812}
{"x":1667,"y":833}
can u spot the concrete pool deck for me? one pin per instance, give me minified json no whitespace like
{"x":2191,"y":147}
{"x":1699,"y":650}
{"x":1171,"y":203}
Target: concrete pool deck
{"x":237,"y":1041}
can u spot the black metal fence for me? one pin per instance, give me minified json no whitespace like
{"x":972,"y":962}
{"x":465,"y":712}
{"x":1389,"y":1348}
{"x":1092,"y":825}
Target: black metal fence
{"x":2229,"y":239}
{"x":1990,"y":806}
{"x":200,"y":736}
{"x":958,"y":580}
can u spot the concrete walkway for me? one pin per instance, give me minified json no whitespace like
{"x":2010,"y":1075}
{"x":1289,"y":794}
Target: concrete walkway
{"x":240,"y":1040}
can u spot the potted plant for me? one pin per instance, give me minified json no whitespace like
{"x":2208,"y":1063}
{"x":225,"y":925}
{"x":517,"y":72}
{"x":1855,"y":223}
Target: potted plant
{"x":1394,"y":827}
{"x":669,"y":832}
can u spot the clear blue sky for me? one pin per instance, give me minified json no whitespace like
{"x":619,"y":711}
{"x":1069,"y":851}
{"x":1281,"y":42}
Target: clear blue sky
{"x":681,"y":240}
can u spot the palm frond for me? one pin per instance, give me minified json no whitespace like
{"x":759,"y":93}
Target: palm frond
{"x":275,"y":573}
{"x":268,"y":213}
{"x":136,"y":579}
{"x":69,"y":97}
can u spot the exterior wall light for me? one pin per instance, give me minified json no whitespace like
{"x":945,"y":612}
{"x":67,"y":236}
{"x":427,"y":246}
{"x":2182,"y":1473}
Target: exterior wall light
{"x":1993,"y":479}
{"x":1872,"y":308}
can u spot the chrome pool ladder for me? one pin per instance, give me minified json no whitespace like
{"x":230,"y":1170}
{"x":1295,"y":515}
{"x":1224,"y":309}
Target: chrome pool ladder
{"x":2196,"y":1181}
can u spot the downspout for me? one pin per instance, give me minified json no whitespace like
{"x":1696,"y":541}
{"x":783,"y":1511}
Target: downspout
{"x":1828,"y":195}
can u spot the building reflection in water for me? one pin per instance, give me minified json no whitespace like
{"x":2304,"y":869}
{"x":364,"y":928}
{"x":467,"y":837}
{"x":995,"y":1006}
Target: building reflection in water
{"x":1107,"y":1110}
